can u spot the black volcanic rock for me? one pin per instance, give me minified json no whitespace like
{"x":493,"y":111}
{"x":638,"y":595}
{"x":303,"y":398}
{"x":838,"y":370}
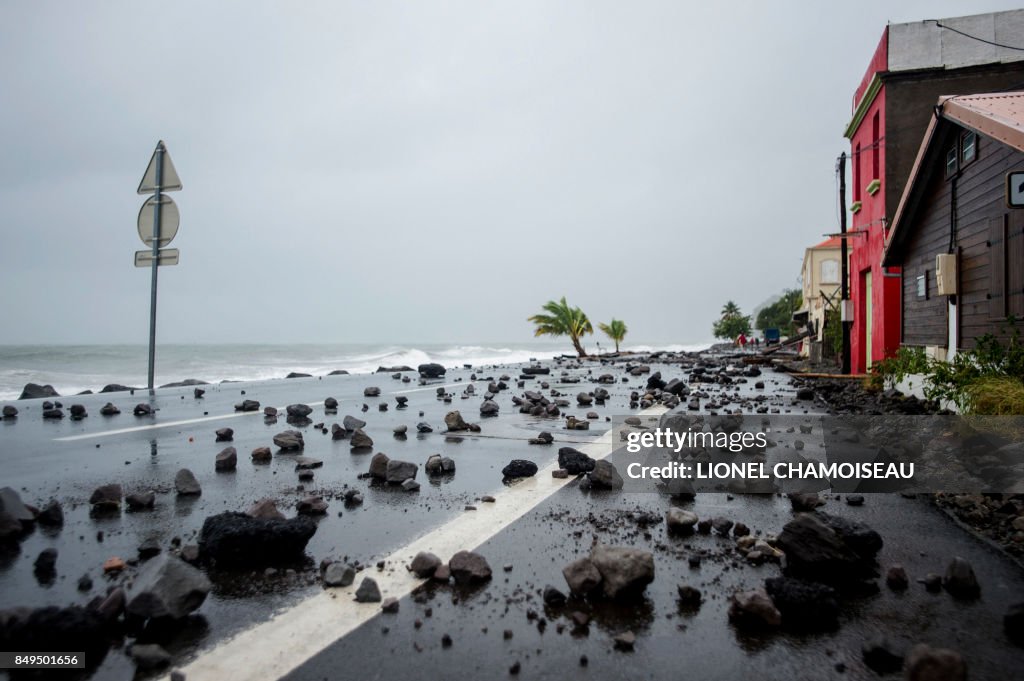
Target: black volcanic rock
{"x":116,"y":388}
{"x":519,"y":468}
{"x":237,"y":539}
{"x":805,"y":606}
{"x":53,"y":628}
{"x":574,"y":461}
{"x":431,"y":370}
{"x":33,"y":391}
{"x":187,"y":383}
{"x":828,"y":549}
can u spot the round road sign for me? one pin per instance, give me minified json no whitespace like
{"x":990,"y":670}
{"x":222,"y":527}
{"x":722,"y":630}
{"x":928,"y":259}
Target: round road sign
{"x":169,"y":220}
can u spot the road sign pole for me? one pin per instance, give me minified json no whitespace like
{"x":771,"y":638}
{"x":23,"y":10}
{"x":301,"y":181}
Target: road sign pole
{"x":156,"y":263}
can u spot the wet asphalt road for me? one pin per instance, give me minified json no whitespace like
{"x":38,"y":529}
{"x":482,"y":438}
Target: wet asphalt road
{"x":674,"y":642}
{"x":42,"y":465}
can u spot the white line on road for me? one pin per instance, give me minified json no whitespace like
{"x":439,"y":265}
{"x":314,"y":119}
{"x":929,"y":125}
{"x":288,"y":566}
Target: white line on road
{"x":430,"y":387}
{"x":153,"y":426}
{"x":280,"y":645}
{"x":169,"y":424}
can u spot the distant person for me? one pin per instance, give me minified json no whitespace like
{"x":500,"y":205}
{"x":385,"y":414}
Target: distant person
{"x":741,"y":341}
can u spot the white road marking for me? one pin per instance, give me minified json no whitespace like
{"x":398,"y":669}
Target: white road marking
{"x":153,"y":426}
{"x":280,"y":645}
{"x":169,"y":424}
{"x":430,"y":387}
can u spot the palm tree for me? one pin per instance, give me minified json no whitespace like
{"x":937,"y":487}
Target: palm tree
{"x":732,"y":322}
{"x":616,"y":330}
{"x":563,"y":320}
{"x":730,"y":309}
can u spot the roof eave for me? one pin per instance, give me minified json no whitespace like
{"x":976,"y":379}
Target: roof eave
{"x":990,"y":125}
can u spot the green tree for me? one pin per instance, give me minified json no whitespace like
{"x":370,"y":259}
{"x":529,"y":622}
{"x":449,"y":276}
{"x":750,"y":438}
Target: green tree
{"x":563,"y":320}
{"x":732,"y":322}
{"x":616,"y":330}
{"x":779,"y":315}
{"x":730,"y":309}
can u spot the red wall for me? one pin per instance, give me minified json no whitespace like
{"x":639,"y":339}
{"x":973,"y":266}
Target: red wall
{"x":866,"y":250}
{"x":879,"y":64}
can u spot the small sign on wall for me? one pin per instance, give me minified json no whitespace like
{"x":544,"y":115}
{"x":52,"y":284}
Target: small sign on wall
{"x":1015,"y":189}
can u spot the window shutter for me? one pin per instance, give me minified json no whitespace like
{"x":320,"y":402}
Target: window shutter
{"x":997,"y":268}
{"x":1015,"y":264}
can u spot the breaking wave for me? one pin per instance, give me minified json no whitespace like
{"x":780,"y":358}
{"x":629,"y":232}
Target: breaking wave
{"x":73,"y":369}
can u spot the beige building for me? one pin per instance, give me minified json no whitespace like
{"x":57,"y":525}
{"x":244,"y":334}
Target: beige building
{"x":820,"y":276}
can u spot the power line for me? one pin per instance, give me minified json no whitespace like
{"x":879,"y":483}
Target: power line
{"x":974,"y":37}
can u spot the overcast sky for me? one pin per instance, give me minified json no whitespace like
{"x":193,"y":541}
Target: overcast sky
{"x":420,"y":171}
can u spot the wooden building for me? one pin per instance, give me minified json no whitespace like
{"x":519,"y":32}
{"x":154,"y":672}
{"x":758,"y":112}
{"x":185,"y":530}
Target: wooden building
{"x":912,"y":66}
{"x":957,"y":203}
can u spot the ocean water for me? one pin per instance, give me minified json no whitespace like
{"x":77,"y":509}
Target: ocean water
{"x":71,"y":369}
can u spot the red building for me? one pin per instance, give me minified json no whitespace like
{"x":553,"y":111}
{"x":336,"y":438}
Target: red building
{"x":913,"y":65}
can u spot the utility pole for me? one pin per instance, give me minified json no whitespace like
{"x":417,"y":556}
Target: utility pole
{"x":845,"y":274}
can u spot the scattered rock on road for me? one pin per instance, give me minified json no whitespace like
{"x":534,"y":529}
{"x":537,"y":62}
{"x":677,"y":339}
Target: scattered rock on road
{"x":816,"y":551}
{"x":960,"y":580}
{"x":166,"y":586}
{"x":519,"y":468}
{"x":289,"y":440}
{"x":106,"y":497}
{"x":264,"y":508}
{"x":925,"y":663}
{"x":805,"y":606}
{"x":238,"y":539}
{"x":368,"y":591}
{"x":680,"y":521}
{"x":185,"y":483}
{"x":574,"y":461}
{"x":753,"y":609}
{"x":424,"y":564}
{"x":625,"y":571}
{"x":227,"y":460}
{"x":605,"y":476}
{"x":469,"y":568}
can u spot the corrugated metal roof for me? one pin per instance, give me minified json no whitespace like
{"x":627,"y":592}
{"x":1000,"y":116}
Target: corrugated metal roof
{"x":997,"y":115}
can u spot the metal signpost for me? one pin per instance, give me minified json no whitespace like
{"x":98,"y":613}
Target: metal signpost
{"x":158,"y":224}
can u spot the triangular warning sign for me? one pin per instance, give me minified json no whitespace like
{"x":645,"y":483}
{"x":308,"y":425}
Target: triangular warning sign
{"x":170,"y":180}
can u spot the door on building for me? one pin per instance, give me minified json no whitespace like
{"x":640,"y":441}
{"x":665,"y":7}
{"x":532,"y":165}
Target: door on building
{"x":868,"y":316}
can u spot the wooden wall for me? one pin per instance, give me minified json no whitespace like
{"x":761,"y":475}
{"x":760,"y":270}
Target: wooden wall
{"x":987,"y":233}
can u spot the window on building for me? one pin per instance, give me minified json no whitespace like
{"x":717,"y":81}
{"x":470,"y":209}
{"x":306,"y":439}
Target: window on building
{"x":922,"y":286}
{"x":968,"y":147}
{"x":856,"y":173}
{"x":829,"y":271}
{"x":951,"y":162}
{"x":876,"y":143}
